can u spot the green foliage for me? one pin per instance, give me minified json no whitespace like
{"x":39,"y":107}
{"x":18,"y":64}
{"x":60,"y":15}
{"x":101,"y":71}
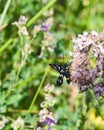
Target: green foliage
{"x":22,"y":77}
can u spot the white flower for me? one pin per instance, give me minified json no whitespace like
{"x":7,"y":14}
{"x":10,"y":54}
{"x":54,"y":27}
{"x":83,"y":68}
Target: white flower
{"x":27,"y":50}
{"x":19,"y":123}
{"x":23,"y":31}
{"x":21,"y":22}
{"x":94,"y":33}
{"x":3,"y":122}
{"x":48,"y":88}
{"x":36,"y":29}
{"x":39,"y":128}
{"x":43,"y":114}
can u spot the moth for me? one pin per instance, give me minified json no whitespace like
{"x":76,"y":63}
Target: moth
{"x":63,"y":70}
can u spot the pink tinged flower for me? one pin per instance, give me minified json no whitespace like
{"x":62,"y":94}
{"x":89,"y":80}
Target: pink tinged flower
{"x":99,"y":90}
{"x":83,"y":73}
{"x":21,"y":22}
{"x":36,"y":29}
{"x":101,"y":48}
{"x":44,"y":27}
{"x":94,"y":33}
{"x":100,"y":66}
{"x":50,"y":49}
{"x":47,"y":24}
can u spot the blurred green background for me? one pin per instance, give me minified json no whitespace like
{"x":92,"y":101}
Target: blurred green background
{"x":71,"y":17}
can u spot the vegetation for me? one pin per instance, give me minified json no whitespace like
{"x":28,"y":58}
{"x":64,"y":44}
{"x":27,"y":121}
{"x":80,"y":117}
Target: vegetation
{"x":36,"y":33}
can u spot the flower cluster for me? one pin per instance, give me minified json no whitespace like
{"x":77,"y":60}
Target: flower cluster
{"x":27,"y":50}
{"x":88,"y":62}
{"x":45,"y":116}
{"x":3,"y":122}
{"x":47,"y":42}
{"x":36,"y":29}
{"x":21,"y":24}
{"x":18,"y":124}
{"x":47,"y":24}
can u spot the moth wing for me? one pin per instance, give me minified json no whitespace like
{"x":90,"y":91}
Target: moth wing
{"x":59,"y":80}
{"x":56,"y":67}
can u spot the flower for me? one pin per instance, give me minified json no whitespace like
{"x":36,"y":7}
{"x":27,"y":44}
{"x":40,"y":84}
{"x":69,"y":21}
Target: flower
{"x":49,"y":99}
{"x":42,"y":114}
{"x":19,"y":123}
{"x":47,"y":44}
{"x":47,"y":24}
{"x":48,"y":88}
{"x":21,"y":24}
{"x":45,"y":116}
{"x":39,"y":128}
{"x":3,"y":122}
{"x":21,"y":21}
{"x":99,"y":90}
{"x":36,"y":29}
{"x":84,"y":73}
{"x":23,"y":31}
{"x":49,"y":121}
{"x":27,"y":49}
{"x":48,"y":39}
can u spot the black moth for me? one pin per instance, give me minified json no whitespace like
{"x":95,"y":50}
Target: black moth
{"x":63,"y":69}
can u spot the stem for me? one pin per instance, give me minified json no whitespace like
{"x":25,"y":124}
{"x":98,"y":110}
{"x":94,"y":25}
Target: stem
{"x":40,"y":86}
{"x":21,"y":65}
{"x":22,"y":60}
{"x":33,"y":19}
{"x":21,"y":39}
{"x":6,"y":45}
{"x":19,"y":69}
{"x":4,"y":11}
{"x":32,"y":40}
{"x":19,"y":85}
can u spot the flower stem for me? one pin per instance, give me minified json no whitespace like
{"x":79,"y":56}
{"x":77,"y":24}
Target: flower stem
{"x":40,"y":86}
{"x":3,"y":47}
